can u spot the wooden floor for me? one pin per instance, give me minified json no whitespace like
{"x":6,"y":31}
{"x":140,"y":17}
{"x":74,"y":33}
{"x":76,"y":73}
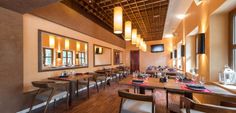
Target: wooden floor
{"x":107,"y":101}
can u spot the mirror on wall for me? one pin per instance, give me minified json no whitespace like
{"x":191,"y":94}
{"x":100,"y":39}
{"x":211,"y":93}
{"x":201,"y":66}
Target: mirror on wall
{"x":117,"y":57}
{"x":102,"y":55}
{"x":57,"y":52}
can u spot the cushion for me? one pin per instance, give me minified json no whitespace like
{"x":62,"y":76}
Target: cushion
{"x":183,"y":110}
{"x":134,"y":106}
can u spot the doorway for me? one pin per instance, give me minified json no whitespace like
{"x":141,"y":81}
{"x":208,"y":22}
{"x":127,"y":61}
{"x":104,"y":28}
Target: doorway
{"x":134,"y":61}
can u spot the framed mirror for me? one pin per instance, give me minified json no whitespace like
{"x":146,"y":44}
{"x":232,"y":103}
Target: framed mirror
{"x":117,"y":57}
{"x":58,"y":52}
{"x":101,"y":55}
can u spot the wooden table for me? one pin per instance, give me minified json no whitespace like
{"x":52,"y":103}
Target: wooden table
{"x":177,"y":87}
{"x":71,"y":79}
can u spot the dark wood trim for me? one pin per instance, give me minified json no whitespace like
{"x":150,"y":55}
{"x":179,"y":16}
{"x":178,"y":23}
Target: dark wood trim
{"x":231,"y":46}
{"x":94,"y":56}
{"x":114,"y":50}
{"x":59,"y":68}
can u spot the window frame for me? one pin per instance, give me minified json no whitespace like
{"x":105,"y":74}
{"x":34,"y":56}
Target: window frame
{"x":67,"y":57}
{"x":44,"y":55}
{"x":232,"y":46}
{"x":80,"y":58}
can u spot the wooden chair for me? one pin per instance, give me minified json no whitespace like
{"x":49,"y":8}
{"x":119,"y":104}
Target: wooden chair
{"x":189,"y":106}
{"x":86,"y":83}
{"x":102,"y":78}
{"x":135,"y":103}
{"x":49,"y":90}
{"x":228,"y":104}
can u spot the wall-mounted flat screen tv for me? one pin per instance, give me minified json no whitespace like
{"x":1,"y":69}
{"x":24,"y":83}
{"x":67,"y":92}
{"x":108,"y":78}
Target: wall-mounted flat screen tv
{"x":157,"y":48}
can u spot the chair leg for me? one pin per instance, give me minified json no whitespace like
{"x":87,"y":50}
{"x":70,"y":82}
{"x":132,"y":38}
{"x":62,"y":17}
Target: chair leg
{"x":48,"y":100}
{"x":67,"y":101}
{"x":97,"y":86}
{"x":54,"y":103}
{"x":121,"y":103}
{"x":88,"y":89}
{"x":167,"y":100}
{"x":77,"y":87}
{"x":32,"y":103}
{"x":153,"y":108}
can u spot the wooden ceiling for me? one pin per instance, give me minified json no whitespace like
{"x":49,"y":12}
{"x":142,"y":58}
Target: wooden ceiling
{"x":148,"y":16}
{"x":25,"y":6}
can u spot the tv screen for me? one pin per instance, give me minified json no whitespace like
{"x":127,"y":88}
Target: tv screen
{"x":157,"y":48}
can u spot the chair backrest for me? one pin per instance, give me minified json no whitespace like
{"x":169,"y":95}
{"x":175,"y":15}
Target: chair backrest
{"x":124,"y":93}
{"x":78,"y":73}
{"x":228,"y":104}
{"x":207,"y":108}
{"x":42,"y":84}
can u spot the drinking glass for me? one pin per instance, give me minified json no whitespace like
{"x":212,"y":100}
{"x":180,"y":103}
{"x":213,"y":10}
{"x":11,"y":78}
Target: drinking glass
{"x":194,"y":78}
{"x":177,"y":78}
{"x":202,"y":80}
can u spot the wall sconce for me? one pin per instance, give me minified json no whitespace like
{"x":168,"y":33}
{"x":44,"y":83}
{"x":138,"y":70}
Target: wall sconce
{"x":200,"y":49}
{"x":77,"y":56}
{"x":175,"y":53}
{"x":59,"y":55}
{"x":67,"y":44}
{"x":51,"y":41}
{"x":182,"y":50}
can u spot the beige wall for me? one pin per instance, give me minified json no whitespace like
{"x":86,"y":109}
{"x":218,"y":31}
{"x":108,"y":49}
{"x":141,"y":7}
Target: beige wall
{"x":198,"y":16}
{"x":11,"y":61}
{"x":219,"y":37}
{"x":31,"y":26}
{"x":148,"y":58}
{"x":215,"y":28}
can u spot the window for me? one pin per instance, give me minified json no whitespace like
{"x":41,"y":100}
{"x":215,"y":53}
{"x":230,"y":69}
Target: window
{"x":82,"y":58}
{"x":48,"y":56}
{"x":179,"y":58}
{"x":67,"y":57}
{"x":232,"y":45}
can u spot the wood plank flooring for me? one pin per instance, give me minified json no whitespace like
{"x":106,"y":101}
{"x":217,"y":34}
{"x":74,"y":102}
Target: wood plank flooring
{"x":107,"y":101}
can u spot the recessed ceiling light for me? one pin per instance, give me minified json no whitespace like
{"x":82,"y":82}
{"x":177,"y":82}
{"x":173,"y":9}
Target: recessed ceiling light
{"x":181,"y":16}
{"x":169,"y":36}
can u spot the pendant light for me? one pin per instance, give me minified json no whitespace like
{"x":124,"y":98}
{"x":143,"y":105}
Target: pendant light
{"x":128,"y":30}
{"x":134,"y":36}
{"x":67,"y":44}
{"x":140,"y":44}
{"x":138,"y":40}
{"x":118,"y":20}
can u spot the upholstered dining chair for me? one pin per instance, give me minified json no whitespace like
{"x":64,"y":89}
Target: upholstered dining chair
{"x":86,"y":83}
{"x":135,"y":103}
{"x":102,"y":78}
{"x":189,"y":106}
{"x":50,"y":90}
